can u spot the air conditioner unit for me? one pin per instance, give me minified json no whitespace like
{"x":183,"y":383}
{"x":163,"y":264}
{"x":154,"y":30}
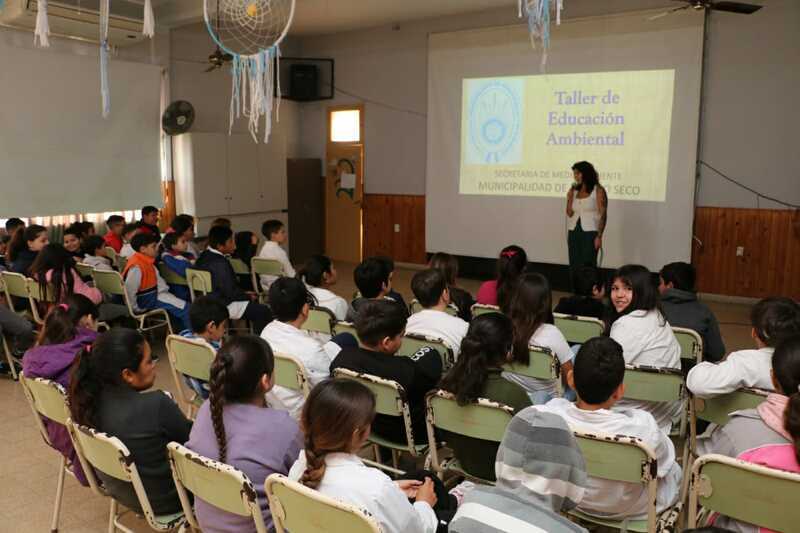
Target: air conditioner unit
{"x":79,"y":19}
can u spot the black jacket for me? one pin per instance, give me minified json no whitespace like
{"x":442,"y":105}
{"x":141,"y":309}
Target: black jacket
{"x":223,"y":278}
{"x":682,"y":310}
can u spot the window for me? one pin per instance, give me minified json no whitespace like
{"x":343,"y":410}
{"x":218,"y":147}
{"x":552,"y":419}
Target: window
{"x":346,"y":126}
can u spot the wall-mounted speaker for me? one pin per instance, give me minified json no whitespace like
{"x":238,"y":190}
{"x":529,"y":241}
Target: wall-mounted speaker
{"x":306,"y":79}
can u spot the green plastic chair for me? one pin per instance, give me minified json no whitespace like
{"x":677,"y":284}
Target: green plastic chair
{"x":170,"y":276}
{"x":759,"y":495}
{"x":12,"y":361}
{"x":413,"y":343}
{"x":481,"y":309}
{"x":653,"y":384}
{"x":346,"y":327}
{"x":16,"y":285}
{"x":298,"y":508}
{"x":717,"y":410}
{"x":84,"y":270}
{"x":291,"y":373}
{"x":621,"y":458}
{"x":483,"y":419}
{"x":112,"y":255}
{"x":107,"y":454}
{"x":122,"y":261}
{"x":542,"y":364}
{"x":111,"y":283}
{"x":193,"y":358}
{"x":215,"y":483}
{"x":691,"y":344}
{"x":390,"y":400}
{"x":239,"y":266}
{"x":48,"y":398}
{"x":416,"y":307}
{"x":578,"y":329}
{"x":40,"y":301}
{"x":320,"y":320}
{"x":266,"y":267}
{"x":199,"y":281}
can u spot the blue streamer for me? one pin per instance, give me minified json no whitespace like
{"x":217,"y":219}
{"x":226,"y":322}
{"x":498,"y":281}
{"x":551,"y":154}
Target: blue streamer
{"x":105,"y":90}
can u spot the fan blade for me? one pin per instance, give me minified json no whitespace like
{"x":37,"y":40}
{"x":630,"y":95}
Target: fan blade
{"x":212,"y":67}
{"x":669,"y":12}
{"x":735,"y":7}
{"x":227,"y":57}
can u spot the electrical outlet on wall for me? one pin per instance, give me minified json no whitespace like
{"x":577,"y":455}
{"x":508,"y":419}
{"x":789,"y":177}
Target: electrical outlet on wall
{"x":397,"y":228}
{"x":740,"y":251}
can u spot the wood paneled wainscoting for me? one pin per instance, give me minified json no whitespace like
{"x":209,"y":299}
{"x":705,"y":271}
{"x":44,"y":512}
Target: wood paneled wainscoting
{"x":770,"y":263}
{"x":381,"y":213}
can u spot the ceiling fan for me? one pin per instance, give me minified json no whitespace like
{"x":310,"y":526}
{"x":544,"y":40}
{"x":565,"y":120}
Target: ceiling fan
{"x":218,"y":59}
{"x":730,"y":7}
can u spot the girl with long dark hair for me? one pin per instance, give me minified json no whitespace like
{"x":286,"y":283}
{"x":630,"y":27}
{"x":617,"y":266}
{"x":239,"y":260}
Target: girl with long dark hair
{"x":587,"y":212}
{"x":448,"y":266}
{"x":24,"y":247}
{"x":235,"y":426}
{"x":510,"y":265}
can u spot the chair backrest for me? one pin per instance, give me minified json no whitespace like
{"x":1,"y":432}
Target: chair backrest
{"x":747,"y":492}
{"x":170,"y":276}
{"x":46,"y":398}
{"x":653,"y":384}
{"x":111,"y":254}
{"x":320,"y":320}
{"x":481,"y":309}
{"x":269,"y":267}
{"x":296,"y":507}
{"x":84,"y":270}
{"x":216,"y":483}
{"x":346,"y":327}
{"x":198,"y":281}
{"x":239,"y":267}
{"x":578,"y":329}
{"x":416,"y":307}
{"x":109,"y":282}
{"x":542,"y":364}
{"x":35,"y":291}
{"x":482,"y":419}
{"x":291,"y":373}
{"x":191,"y":357}
{"x":718,"y":409}
{"x":15,"y":284}
{"x":414,"y":343}
{"x":691,"y":343}
{"x":122,"y":261}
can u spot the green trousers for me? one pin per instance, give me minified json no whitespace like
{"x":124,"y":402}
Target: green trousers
{"x":581,"y":249}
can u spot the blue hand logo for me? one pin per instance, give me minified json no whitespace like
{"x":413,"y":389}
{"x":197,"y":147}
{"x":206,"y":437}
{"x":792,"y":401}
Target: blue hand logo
{"x":495,"y":117}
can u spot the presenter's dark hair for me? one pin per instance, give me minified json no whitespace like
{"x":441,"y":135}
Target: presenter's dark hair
{"x":589,"y":174}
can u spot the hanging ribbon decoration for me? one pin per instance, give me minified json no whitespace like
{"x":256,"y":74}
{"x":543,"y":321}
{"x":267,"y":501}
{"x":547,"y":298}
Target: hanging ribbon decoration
{"x":42,"y":31}
{"x":254,"y":73}
{"x":149,"y":27}
{"x":105,"y":89}
{"x":538,"y":15}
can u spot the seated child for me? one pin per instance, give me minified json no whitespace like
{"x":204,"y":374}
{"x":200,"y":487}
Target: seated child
{"x":388,"y":264}
{"x":638,"y":324}
{"x":209,"y":319}
{"x":145,"y":287}
{"x":477,"y":373}
{"x":510,"y":265}
{"x":374,"y":283}
{"x":336,"y":422}
{"x":289,"y":299}
{"x":772,"y":320}
{"x":72,"y":242}
{"x":274,"y":233}
{"x":530,"y":312}
{"x":221,"y":221}
{"x":430,"y":289}
{"x":128,"y":232}
{"x":183,"y":225}
{"x":176,"y":258}
{"x":113,"y":237}
{"x":236,"y":427}
{"x":683,"y":310}
{"x":380,"y":326}
{"x":4,"y":240}
{"x":597,"y":377}
{"x":94,"y":253}
{"x":320,"y":275}
{"x":588,"y":298}
{"x":240,"y":304}
{"x":541,"y":475}
{"x":448,"y":265}
{"x":246,"y":250}
{"x":107,"y":393}
{"x":68,"y":328}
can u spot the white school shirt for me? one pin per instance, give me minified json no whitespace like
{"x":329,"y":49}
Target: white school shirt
{"x":97,"y":262}
{"x":273,"y":250}
{"x":133,"y":279}
{"x":236,"y":308}
{"x":546,"y":336}
{"x":617,"y":499}
{"x":647,"y":339}
{"x":745,"y":368}
{"x":127,"y":250}
{"x":350,"y":481}
{"x":586,"y":210}
{"x":315,"y":356}
{"x":330,"y":300}
{"x":438,"y":324}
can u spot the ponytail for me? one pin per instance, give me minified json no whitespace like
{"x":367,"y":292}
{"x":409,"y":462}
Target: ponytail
{"x":314,"y":270}
{"x":54,"y":258}
{"x":216,"y":400}
{"x":510,"y":266}
{"x":19,"y":241}
{"x":786,"y":369}
{"x":62,"y":321}
{"x":336,"y":409}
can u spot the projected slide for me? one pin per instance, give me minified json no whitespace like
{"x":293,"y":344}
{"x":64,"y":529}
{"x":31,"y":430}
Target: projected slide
{"x":520,"y":135}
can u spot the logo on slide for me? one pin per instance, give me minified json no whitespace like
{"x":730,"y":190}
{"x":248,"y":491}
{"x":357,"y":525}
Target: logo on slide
{"x":494,"y":123}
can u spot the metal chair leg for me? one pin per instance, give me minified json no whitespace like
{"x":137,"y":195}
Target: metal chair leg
{"x":112,"y":516}
{"x":62,"y":465}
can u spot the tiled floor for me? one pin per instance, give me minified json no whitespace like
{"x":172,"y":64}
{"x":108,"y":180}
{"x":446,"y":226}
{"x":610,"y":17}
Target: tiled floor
{"x":28,"y":468}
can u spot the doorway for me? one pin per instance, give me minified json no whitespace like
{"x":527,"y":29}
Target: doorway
{"x":344,"y":183}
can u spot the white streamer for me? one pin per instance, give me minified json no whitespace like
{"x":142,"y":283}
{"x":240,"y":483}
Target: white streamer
{"x":105,"y":88}
{"x":149,"y":26}
{"x":42,"y":32}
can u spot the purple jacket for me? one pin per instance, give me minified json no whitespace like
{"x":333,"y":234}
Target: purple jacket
{"x":54,"y":361}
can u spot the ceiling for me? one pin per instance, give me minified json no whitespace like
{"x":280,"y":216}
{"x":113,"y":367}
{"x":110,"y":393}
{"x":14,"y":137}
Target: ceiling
{"x":330,"y":16}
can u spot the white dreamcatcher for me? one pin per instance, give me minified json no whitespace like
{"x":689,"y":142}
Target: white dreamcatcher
{"x":250,"y":31}
{"x":538,"y":13}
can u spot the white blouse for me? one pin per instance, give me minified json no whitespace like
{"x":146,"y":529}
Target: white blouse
{"x":330,"y":300}
{"x":586,"y":210}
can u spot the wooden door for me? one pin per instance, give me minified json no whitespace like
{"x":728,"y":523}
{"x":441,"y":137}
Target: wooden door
{"x":306,"y":208}
{"x":344,"y":188}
